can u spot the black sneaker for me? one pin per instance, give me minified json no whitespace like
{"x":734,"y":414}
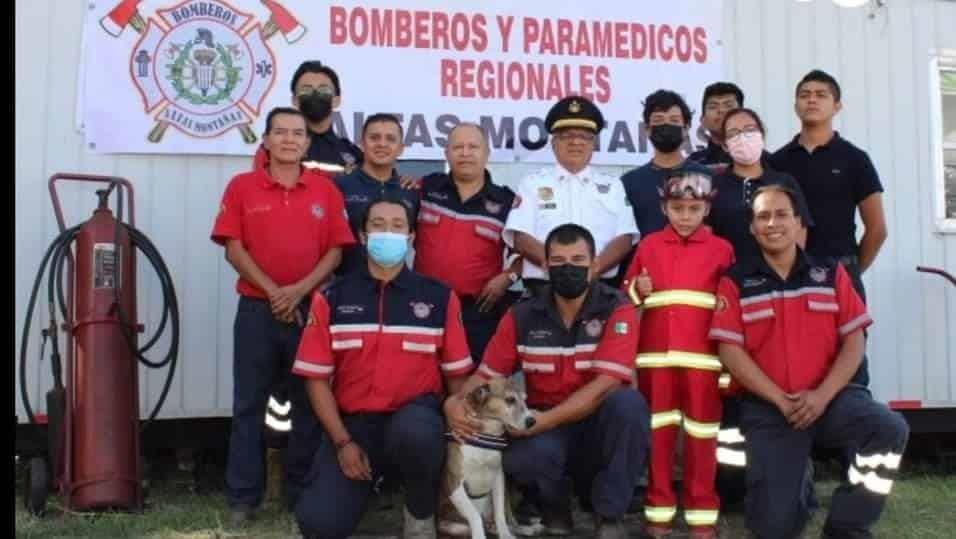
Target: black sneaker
{"x":610,"y":528}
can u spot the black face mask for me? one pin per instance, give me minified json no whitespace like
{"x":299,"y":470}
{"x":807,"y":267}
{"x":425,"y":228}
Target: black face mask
{"x":315,"y":106}
{"x":568,"y":281}
{"x":667,"y":137}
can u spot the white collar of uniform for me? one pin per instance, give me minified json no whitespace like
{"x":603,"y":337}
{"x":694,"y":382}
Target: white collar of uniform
{"x":583,"y":176}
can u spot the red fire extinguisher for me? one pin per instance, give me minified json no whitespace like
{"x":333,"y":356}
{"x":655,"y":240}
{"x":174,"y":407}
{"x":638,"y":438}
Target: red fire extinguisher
{"x":105,"y":403}
{"x":93,"y":409}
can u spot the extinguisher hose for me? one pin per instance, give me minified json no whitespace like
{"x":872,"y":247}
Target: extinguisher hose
{"x":170,"y":312}
{"x":60,"y":244}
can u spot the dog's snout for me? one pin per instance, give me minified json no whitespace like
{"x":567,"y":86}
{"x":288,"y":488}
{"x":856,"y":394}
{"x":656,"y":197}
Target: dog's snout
{"x":529,"y":422}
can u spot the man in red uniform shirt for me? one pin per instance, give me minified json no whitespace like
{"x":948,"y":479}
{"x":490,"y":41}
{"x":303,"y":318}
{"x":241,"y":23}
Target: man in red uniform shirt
{"x":459,"y":234}
{"x":575,"y":343}
{"x":674,"y":276}
{"x":382,"y":345}
{"x":283,"y":229}
{"x":790,"y":328}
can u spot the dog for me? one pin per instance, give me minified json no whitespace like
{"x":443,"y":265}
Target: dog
{"x":473,"y":469}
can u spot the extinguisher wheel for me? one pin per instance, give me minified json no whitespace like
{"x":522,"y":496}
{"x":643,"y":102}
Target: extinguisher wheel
{"x":38,"y":486}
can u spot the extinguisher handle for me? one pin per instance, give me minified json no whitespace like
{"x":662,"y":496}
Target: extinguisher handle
{"x":112,"y":181}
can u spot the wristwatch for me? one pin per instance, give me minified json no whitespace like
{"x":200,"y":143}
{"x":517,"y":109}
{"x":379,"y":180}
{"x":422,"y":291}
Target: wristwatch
{"x":513,"y":277}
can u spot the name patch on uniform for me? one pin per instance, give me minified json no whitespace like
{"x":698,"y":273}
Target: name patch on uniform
{"x":539,"y":334}
{"x":818,"y":274}
{"x":350,"y":309}
{"x":317,"y":211}
{"x":594,"y":327}
{"x":421,"y":310}
{"x":356,"y":198}
{"x":548,"y":206}
{"x":492,"y":206}
{"x":545,"y":193}
{"x":754,"y":281}
{"x":437,"y":196}
{"x":258,"y":209}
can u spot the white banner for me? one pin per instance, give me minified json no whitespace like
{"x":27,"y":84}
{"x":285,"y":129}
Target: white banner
{"x":198,"y":77}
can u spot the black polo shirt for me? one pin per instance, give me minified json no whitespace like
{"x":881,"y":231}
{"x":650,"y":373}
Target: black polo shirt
{"x":730,"y":213}
{"x":835,"y":178}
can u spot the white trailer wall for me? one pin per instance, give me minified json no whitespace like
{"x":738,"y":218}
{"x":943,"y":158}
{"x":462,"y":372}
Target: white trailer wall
{"x":882,"y":63}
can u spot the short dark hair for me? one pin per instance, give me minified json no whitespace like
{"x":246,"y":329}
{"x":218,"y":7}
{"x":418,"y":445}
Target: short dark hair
{"x":818,"y":75}
{"x":663,"y":100}
{"x":383,"y":117}
{"x":388,"y":199}
{"x":315,"y":66}
{"x":752,"y":113}
{"x":567,"y":234}
{"x":722,"y":88}
{"x":284,"y":110}
{"x":776,"y":188}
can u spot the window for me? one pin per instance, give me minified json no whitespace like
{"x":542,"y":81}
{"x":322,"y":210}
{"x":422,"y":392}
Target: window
{"x":943,"y":75}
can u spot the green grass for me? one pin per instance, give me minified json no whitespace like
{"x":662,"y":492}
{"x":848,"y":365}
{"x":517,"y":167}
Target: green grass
{"x":922,"y":506}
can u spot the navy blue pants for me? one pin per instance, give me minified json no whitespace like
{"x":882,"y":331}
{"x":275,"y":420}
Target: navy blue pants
{"x":602,"y":454}
{"x":408,"y":442}
{"x":264,"y":349}
{"x":776,"y":452}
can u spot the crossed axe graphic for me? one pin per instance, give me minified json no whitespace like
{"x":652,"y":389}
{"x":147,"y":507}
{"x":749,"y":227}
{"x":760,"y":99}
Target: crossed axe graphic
{"x":126,"y":13}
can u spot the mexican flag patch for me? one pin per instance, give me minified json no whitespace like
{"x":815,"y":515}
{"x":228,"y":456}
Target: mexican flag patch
{"x":620,"y":328}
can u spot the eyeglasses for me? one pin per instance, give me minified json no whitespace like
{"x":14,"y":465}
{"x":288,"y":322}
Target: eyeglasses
{"x":323,"y":90}
{"x":581,"y":137}
{"x":748,"y":130}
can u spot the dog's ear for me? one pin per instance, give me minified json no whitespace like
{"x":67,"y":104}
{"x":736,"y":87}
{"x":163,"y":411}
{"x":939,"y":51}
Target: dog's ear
{"x":479,"y":396}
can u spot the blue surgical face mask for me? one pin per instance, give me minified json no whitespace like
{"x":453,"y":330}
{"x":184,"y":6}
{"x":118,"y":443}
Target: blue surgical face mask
{"x":387,"y":249}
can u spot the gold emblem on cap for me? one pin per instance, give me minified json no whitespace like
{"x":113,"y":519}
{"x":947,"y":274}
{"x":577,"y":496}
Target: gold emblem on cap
{"x":574,"y":107}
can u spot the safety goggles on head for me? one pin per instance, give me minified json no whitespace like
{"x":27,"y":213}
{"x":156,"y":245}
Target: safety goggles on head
{"x":689,"y":185}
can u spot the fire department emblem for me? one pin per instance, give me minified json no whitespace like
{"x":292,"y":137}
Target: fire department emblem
{"x":421,"y":310}
{"x":492,"y":207}
{"x":818,"y":274}
{"x":545,"y":193}
{"x":603,"y":188}
{"x":317,"y":211}
{"x":594,"y":328}
{"x":202,"y":66}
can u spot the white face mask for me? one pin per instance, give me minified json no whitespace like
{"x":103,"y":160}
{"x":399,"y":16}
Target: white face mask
{"x":746,"y":148}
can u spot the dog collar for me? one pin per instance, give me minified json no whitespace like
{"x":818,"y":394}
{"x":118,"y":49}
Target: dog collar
{"x":484,"y":441}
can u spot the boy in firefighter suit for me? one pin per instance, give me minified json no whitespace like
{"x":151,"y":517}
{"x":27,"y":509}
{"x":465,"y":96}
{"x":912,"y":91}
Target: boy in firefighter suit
{"x":673,"y":277}
{"x":790,"y":328}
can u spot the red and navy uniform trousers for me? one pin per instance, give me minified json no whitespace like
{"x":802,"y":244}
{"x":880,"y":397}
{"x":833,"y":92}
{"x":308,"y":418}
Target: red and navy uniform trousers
{"x":678,"y":368}
{"x":286,"y":232}
{"x":602,"y":455}
{"x":459,"y":243}
{"x":793,"y":329}
{"x":388,"y":350}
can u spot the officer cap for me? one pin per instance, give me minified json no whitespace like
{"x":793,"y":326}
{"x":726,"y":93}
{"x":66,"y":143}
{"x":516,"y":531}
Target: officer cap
{"x":574,"y":111}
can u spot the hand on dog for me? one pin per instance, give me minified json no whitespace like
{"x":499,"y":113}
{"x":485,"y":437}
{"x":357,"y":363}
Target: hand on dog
{"x":354,"y":463}
{"x":462,"y":421}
